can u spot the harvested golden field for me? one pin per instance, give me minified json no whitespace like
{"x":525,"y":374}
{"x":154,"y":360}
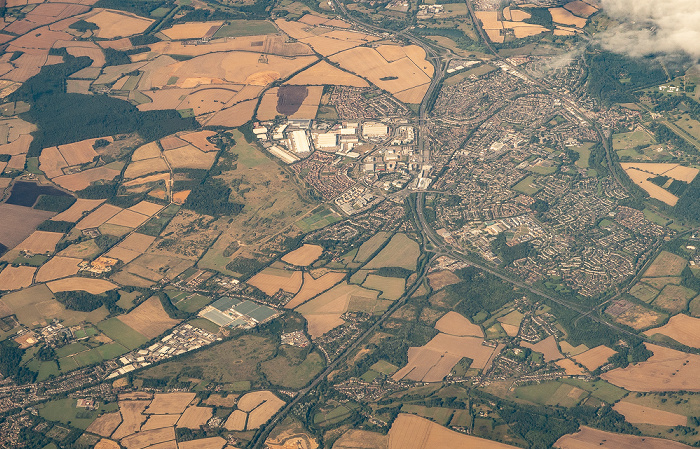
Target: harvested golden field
{"x":595,"y":357}
{"x":128,"y":218}
{"x":125,"y":255}
{"x":83,"y":179}
{"x":440,"y":279}
{"x":234,"y":116}
{"x":666,"y":264}
{"x":169,"y":403}
{"x":323,"y":312}
{"x":146,"y":208}
{"x":202,"y":443}
{"x":323,"y":40}
{"x":159,"y":421}
{"x":588,"y":438}
{"x":453,"y":323}
{"x":19,"y":145}
{"x":581,"y":9}
{"x":267,"y":110}
{"x":642,"y":180}
{"x":191,"y":30}
{"x":304,"y":256}
{"x":80,"y":152}
{"x":323,"y":73}
{"x":200,"y":140}
{"x":234,"y":66}
{"x":641,"y":172}
{"x":681,"y":328}
{"x":190,"y":157}
{"x":194,"y":417}
{"x":570,"y":368}
{"x":208,"y":99}
{"x":107,"y":444}
{"x":131,"y":418}
{"x":312,"y":287}
{"x":90,"y":285}
{"x":563,"y":16}
{"x":548,"y":347}
{"x":149,"y":319}
{"x":489,"y":19}
{"x":170,"y":143}
{"x":271,"y":280}
{"x":309,"y":107}
{"x":147,"y":151}
{"x":359,"y":439}
{"x":51,"y":162}
{"x":78,"y":210}
{"x":435,"y":360}
{"x":414,"y":432}
{"x":58,"y":267}
{"x":397,"y":76}
{"x":674,"y":298}
{"x":118,"y":24}
{"x":141,"y":440}
{"x":525,"y":30}
{"x":14,"y":278}
{"x":105,"y":424}
{"x":236,"y":420}
{"x":640,"y":414}
{"x":137,"y":242}
{"x":261,"y":406}
{"x":666,"y":370}
{"x":40,"y":242}
{"x":143,"y":167}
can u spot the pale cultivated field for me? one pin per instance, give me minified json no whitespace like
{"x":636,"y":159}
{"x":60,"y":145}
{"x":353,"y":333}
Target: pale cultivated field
{"x":199,"y":140}
{"x":137,"y":242}
{"x":594,"y":358}
{"x":107,"y":444}
{"x":144,"y":167}
{"x":267,"y":110}
{"x":641,"y":179}
{"x":360,"y":439}
{"x":194,"y":417}
{"x":264,"y":412}
{"x":234,"y":116}
{"x":581,"y":9}
{"x":570,"y":367}
{"x":81,"y":180}
{"x":206,"y":100}
{"x":326,"y":74}
{"x":148,"y":151}
{"x":518,"y":15}
{"x":150,"y":320}
{"x":391,"y":288}
{"x":323,"y":312}
{"x":105,"y":424}
{"x":146,"y":208}
{"x":118,"y":24}
{"x":77,"y":210}
{"x":666,"y":264}
{"x":681,"y":173}
{"x":561,"y":15}
{"x":640,"y":414}
{"x":250,"y":401}
{"x":666,"y":370}
{"x":19,"y":145}
{"x":440,"y":279}
{"x":453,"y":323}
{"x":271,"y":280}
{"x":414,"y":432}
{"x":220,"y":401}
{"x":169,"y":403}
{"x":163,"y":99}
{"x":58,"y":267}
{"x":159,"y":421}
{"x":191,"y":30}
{"x":568,"y":349}
{"x":171,"y":142}
{"x":309,"y":106}
{"x":548,"y":347}
{"x":189,"y":157}
{"x":40,"y":242}
{"x":13,"y":278}
{"x":125,"y":255}
{"x":141,"y":440}
{"x":435,"y":360}
{"x":312,"y":287}
{"x":681,"y":328}
{"x":401,"y":251}
{"x":236,"y":420}
{"x":489,"y":19}
{"x":202,"y":443}
{"x":79,"y":152}
{"x":522,"y":31}
{"x":94,"y":53}
{"x":304,"y":256}
{"x":369,"y":63}
{"x":90,"y":285}
{"x":128,"y":218}
{"x":131,"y":418}
{"x":588,"y":438}
{"x":323,"y":40}
{"x":51,"y":162}
{"x":135,"y":395}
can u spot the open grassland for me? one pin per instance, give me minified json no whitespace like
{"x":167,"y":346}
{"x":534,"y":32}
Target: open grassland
{"x":644,"y":292}
{"x":288,"y":370}
{"x":400,"y":252}
{"x":414,"y":432}
{"x":674,"y":298}
{"x":391,"y":288}
{"x":65,"y":411}
{"x":120,"y":332}
{"x":368,"y":248}
{"x":589,"y":438}
{"x":682,"y":329}
{"x":440,"y":279}
{"x":666,"y":370}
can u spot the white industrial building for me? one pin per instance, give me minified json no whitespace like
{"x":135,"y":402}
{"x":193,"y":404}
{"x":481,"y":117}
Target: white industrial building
{"x":299,"y":141}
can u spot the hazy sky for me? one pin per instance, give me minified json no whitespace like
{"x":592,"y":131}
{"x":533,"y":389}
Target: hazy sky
{"x":653,"y":26}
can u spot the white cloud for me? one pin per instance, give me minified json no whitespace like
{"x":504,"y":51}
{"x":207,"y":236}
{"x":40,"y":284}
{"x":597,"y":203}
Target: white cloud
{"x":653,"y":27}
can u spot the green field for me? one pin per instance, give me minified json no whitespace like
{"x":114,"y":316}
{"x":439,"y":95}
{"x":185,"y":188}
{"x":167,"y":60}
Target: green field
{"x":121,"y":333}
{"x":539,"y":393}
{"x":318,"y":220}
{"x":584,"y":154}
{"x":192,"y":304}
{"x":205,"y":324}
{"x":289,"y":370}
{"x":236,"y":28}
{"x":371,"y":246}
{"x":384,"y":367}
{"x":65,"y":411}
{"x":627,"y":141}
{"x":526,"y":186}
{"x":599,"y":389}
{"x":438,"y":414}
{"x":160,"y":12}
{"x":400,"y":252}
{"x":391,"y":288}
{"x":336,"y":415}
